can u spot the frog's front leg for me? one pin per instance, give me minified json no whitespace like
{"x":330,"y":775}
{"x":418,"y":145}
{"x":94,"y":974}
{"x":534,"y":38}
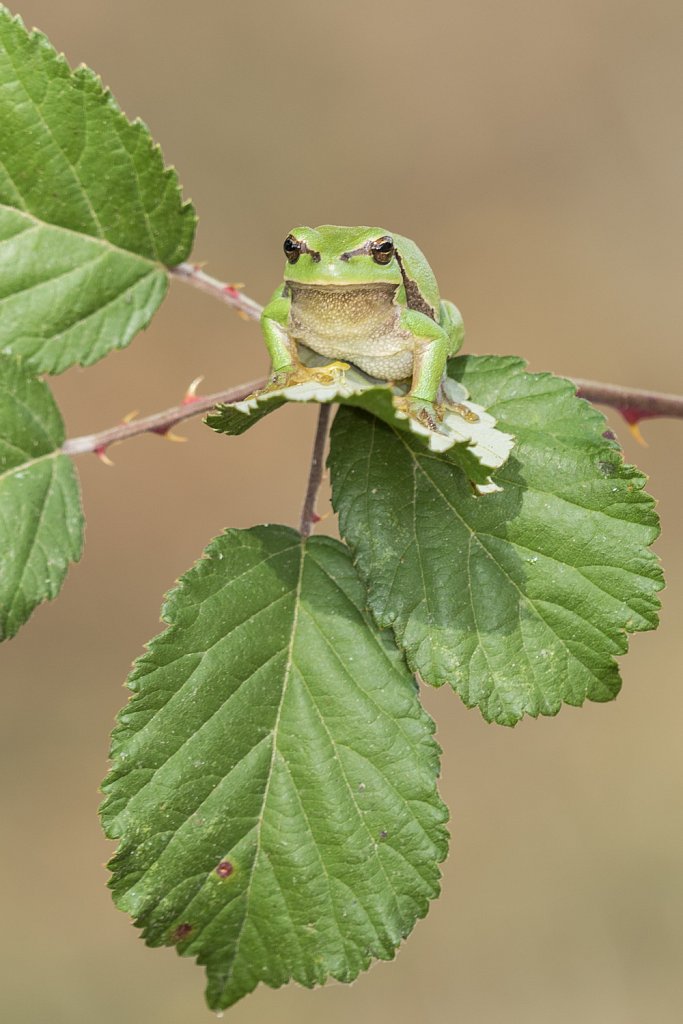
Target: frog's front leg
{"x":282,"y":349}
{"x":432,"y":346}
{"x":286,"y":367}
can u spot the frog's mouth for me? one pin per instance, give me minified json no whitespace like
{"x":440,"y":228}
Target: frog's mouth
{"x":380,"y":288}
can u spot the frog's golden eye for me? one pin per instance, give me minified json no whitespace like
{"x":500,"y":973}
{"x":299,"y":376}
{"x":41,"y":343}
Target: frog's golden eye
{"x":383,"y":250}
{"x":292,"y":249}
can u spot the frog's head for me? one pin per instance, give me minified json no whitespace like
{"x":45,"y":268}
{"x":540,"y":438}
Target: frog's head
{"x":332,"y":255}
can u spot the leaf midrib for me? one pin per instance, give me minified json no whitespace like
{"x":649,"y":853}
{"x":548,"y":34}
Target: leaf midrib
{"x":28,"y":465}
{"x":32,"y":544}
{"x":95,"y":239}
{"x":259,"y":824}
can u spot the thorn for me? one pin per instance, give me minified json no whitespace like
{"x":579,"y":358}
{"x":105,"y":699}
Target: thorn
{"x":200,"y":265}
{"x":635,"y":432}
{"x":323,"y":517}
{"x":130,"y":416}
{"x":168,"y":435}
{"x":191,"y":393}
{"x":242,"y":315}
{"x":101,"y":454}
{"x":234,"y":289}
{"x":633,"y":418}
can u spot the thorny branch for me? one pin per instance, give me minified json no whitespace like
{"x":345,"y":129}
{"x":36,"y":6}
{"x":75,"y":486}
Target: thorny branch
{"x":159,"y":422}
{"x":633,"y":404}
{"x":193,"y":274}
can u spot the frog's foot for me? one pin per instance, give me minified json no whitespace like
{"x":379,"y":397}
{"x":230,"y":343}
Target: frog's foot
{"x":330,"y":374}
{"x":429,"y":414}
{"x":289,"y":376}
{"x":467,"y":414}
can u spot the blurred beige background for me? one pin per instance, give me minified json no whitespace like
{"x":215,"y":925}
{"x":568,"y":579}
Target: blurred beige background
{"x":534,"y":150}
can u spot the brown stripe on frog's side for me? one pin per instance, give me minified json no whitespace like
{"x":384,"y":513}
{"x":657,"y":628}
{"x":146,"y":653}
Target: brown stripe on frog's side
{"x":414,"y":297}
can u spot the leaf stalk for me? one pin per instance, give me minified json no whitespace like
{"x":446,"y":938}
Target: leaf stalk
{"x":308,"y":513}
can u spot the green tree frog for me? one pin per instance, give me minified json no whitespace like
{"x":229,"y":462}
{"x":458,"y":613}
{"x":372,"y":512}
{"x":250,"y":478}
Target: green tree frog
{"x":365,"y":296}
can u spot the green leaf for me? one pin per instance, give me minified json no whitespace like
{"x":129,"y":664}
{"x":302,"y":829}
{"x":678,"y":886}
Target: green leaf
{"x":89,"y":215}
{"x":467,"y":430}
{"x":520,"y":599}
{"x":41,"y":524}
{"x":274,"y":774}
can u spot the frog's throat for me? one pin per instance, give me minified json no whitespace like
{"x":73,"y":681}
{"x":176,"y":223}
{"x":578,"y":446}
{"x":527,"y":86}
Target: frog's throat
{"x":360,"y":324}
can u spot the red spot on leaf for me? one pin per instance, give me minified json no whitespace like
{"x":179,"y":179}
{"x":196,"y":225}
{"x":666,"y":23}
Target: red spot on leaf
{"x":224,"y":869}
{"x":181,"y":932}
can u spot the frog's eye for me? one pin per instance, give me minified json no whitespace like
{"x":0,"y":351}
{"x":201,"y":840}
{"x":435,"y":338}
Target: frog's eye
{"x":292,"y":249}
{"x":383,"y":250}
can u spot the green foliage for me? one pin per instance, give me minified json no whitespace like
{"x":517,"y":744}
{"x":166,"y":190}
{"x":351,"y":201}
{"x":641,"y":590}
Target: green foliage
{"x":274,"y":778}
{"x":41,"y":524}
{"x":519,"y":599}
{"x":89,"y":215}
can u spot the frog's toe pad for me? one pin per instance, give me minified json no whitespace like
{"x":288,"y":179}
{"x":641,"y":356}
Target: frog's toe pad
{"x":330,"y":374}
{"x":467,"y":414}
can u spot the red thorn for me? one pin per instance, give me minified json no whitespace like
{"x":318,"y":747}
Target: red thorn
{"x":633,"y":418}
{"x":635,"y":433}
{"x":635,"y":415}
{"x":233,"y":290}
{"x":167,"y":434}
{"x":315,"y":518}
{"x":191,"y":393}
{"x":101,"y":453}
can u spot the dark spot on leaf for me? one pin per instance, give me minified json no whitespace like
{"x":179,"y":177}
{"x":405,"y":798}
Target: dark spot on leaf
{"x":181,"y":932}
{"x":383,"y":834}
{"x":224,"y":869}
{"x":607,"y":468}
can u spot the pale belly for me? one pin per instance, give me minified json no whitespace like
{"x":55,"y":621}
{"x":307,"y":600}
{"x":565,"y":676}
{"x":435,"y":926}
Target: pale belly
{"x":359,"y":324}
